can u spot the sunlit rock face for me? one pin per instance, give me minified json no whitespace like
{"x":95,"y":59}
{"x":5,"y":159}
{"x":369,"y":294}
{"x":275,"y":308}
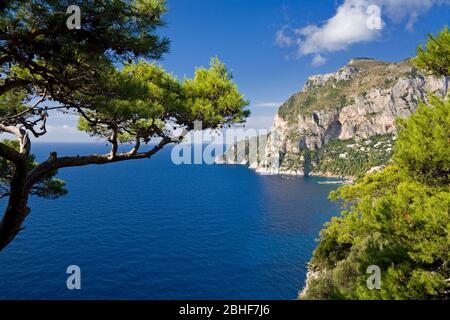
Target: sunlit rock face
{"x":341,"y":118}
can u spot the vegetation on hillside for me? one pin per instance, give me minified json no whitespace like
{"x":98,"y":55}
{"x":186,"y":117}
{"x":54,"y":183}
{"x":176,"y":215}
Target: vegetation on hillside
{"x":353,"y":158}
{"x":335,"y":94}
{"x":399,"y":218}
{"x":341,"y":158}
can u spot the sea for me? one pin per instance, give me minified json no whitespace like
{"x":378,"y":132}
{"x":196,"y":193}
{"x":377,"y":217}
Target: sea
{"x":151,"y":229}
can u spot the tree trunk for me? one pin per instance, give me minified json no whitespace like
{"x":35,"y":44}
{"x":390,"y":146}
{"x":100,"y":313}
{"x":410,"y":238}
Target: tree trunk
{"x":17,"y":209}
{"x":23,"y":181}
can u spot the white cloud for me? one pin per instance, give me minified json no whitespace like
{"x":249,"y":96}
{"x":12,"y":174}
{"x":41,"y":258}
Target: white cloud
{"x":347,"y":27}
{"x":282,"y":39}
{"x":352,"y":23}
{"x":65,"y":133}
{"x":268,"y":104}
{"x":399,"y":10}
{"x":259,"y":122}
{"x":318,"y":60}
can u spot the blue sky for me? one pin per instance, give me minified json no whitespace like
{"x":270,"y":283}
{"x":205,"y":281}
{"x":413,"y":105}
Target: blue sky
{"x":273,"y":46}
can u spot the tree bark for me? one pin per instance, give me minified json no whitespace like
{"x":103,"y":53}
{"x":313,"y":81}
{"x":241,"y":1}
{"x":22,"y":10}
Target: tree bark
{"x":9,"y":85}
{"x":55,"y":163}
{"x":23,"y":181}
{"x":17,"y":209}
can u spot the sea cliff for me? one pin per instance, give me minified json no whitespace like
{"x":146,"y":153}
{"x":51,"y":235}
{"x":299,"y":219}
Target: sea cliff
{"x":340,"y":124}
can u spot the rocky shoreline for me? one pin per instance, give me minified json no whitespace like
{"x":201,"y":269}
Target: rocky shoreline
{"x":340,"y":125}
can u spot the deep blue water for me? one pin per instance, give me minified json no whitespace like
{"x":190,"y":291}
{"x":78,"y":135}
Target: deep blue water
{"x":149,"y":229}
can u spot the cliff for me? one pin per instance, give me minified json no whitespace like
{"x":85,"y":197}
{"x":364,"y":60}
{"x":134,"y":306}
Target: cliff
{"x":343,"y":124}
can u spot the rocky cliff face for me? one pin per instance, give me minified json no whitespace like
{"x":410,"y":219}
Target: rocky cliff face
{"x":250,"y":152}
{"x":344,"y":123}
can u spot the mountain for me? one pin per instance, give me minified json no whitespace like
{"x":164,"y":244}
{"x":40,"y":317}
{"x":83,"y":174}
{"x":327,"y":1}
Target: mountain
{"x":340,"y":124}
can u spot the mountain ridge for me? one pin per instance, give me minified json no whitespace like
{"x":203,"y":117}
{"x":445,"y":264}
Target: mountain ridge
{"x":340,"y":124}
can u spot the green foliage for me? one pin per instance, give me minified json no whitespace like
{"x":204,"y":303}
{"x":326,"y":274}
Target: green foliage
{"x":349,"y":158}
{"x":12,"y":102}
{"x":103,"y":73}
{"x":127,"y":28}
{"x":397,"y":218}
{"x":423,"y":146}
{"x":145,"y":99}
{"x":335,"y":94}
{"x":392,"y":221}
{"x":322,"y":287}
{"x":48,"y":187}
{"x":213,"y":98}
{"x":48,"y":57}
{"x":435,"y":57}
{"x":353,"y":158}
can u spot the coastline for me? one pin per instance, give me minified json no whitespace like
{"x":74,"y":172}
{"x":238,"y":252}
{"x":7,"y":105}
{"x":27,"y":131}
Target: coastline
{"x":338,"y":179}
